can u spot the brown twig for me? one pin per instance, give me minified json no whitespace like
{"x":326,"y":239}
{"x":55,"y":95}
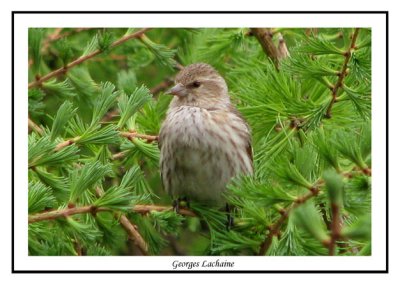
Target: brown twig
{"x":63,"y":213}
{"x":66,"y":143}
{"x":282,"y":48}
{"x":56,"y":35}
{"x":275,"y":228}
{"x":52,"y":37}
{"x":129,"y":135}
{"x":335,"y":228}
{"x":264,"y":36}
{"x":33,"y":126}
{"x":119,"y":155}
{"x":132,"y":134}
{"x":129,"y":227}
{"x":110,"y":115}
{"x":343,"y":73}
{"x":134,"y":234}
{"x":143,"y":209}
{"x":78,"y":61}
{"x":161,"y":86}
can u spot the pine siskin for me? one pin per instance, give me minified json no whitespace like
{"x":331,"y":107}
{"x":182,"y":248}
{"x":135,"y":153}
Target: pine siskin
{"x":204,"y":140}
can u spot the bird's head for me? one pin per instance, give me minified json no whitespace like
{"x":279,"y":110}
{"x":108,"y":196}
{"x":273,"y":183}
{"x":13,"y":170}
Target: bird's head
{"x":200,"y":85}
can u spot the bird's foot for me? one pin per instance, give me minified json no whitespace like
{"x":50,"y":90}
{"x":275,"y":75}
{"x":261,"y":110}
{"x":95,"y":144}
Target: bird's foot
{"x":229,"y":216}
{"x":181,"y":202}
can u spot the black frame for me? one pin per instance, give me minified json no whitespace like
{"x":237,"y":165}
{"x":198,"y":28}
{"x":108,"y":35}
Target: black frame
{"x":386,"y":13}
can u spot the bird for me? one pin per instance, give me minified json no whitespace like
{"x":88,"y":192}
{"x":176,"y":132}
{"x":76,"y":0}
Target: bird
{"x":204,"y":141}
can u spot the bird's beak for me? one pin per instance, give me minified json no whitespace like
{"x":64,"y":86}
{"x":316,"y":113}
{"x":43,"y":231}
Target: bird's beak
{"x":178,"y":90}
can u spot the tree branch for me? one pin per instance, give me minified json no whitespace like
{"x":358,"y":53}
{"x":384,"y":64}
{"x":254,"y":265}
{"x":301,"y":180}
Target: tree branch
{"x":154,"y":90}
{"x":264,"y":36}
{"x":282,"y":48}
{"x":63,"y":213}
{"x":275,"y":228}
{"x":56,"y":35}
{"x":129,"y":135}
{"x":335,"y":228}
{"x":84,"y":58}
{"x":134,"y":234}
{"x":66,"y":143}
{"x":343,"y":73}
{"x":133,"y":134}
{"x":33,"y":126}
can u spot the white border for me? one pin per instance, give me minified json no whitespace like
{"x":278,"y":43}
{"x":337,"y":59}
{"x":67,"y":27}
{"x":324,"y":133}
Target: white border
{"x":375,"y":21}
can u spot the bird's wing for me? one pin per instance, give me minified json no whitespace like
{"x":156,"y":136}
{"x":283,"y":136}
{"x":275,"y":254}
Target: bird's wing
{"x":249,"y":148}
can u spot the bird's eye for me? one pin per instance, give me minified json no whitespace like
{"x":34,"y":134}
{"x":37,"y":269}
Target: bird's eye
{"x":195,"y":84}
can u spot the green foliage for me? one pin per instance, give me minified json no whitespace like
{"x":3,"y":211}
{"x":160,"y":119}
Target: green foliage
{"x":35,"y":37}
{"x":308,"y":217}
{"x":334,"y":184}
{"x":39,"y":197}
{"x":129,"y":106}
{"x":163,"y":54}
{"x":310,"y":152}
{"x":41,"y":151}
{"x":65,"y":112}
{"x":86,"y":177}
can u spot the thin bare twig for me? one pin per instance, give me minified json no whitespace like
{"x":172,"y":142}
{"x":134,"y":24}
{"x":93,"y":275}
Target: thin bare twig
{"x":134,"y":234}
{"x":63,"y":213}
{"x":343,"y":73}
{"x":335,"y":228}
{"x":133,"y":134}
{"x":78,"y":61}
{"x":129,"y":227}
{"x":282,"y":48}
{"x":129,"y":135}
{"x":264,"y":36}
{"x":161,"y":86}
{"x":56,"y":35}
{"x":63,"y":144}
{"x":33,"y":126}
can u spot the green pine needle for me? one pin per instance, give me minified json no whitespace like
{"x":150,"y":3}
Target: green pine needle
{"x":130,"y":105}
{"x":39,"y":197}
{"x":41,"y":151}
{"x":308,"y":218}
{"x":117,"y":198}
{"x":64,"y":114}
{"x":59,"y":89}
{"x":104,"y":101}
{"x":86,"y":177}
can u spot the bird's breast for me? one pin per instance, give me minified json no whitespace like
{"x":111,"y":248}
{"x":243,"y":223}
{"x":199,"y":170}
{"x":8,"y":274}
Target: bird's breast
{"x":188,"y":126}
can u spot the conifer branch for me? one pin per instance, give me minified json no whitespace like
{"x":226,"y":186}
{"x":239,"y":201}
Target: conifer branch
{"x":134,"y":234}
{"x":119,"y":155}
{"x":63,"y":213}
{"x":85,"y":58}
{"x":66,"y":143}
{"x":33,"y":126}
{"x":154,"y":90}
{"x":264,"y":36}
{"x":335,"y":228}
{"x":56,"y":35}
{"x":343,"y":73}
{"x":132,"y":134}
{"x":274,"y":229}
{"x":162,"y":86}
{"x":129,"y":135}
{"x":282,"y":48}
{"x":129,"y":227}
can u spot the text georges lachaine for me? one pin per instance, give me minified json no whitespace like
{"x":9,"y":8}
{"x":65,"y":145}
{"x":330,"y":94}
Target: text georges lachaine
{"x":176,"y":264}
